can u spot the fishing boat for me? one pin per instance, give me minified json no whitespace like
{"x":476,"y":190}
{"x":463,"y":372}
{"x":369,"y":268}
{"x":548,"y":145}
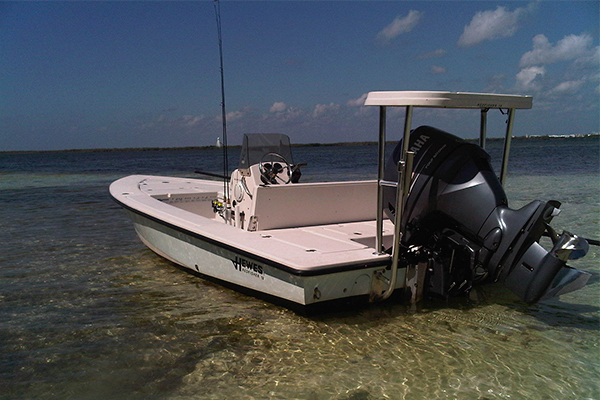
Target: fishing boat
{"x":435,"y":222}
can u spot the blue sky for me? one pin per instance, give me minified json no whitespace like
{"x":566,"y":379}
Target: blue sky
{"x":87,"y":74}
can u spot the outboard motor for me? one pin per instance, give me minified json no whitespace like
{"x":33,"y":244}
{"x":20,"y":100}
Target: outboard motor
{"x":457,"y":220}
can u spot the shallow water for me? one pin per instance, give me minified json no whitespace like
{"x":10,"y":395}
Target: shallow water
{"x":87,"y":312}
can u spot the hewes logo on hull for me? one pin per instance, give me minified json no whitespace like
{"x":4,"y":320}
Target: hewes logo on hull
{"x":242,"y":265}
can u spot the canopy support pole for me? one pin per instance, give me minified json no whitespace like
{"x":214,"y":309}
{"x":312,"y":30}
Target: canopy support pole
{"x":483,"y":128}
{"x":507,"y":140}
{"x":380,"y":177}
{"x":407,"y":125}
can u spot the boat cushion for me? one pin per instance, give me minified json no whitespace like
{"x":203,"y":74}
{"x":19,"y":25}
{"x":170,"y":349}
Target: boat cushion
{"x":308,"y":204}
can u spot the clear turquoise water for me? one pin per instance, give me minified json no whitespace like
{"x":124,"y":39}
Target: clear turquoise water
{"x":87,"y":312}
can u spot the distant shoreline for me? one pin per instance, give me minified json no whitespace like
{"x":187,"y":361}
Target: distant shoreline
{"x":110,"y":150}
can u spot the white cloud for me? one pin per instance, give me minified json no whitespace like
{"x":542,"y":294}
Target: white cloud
{"x":321,"y":109}
{"x":357,"y":102}
{"x":528,"y":79}
{"x":491,"y":25}
{"x":183,"y":123}
{"x":188,"y":120}
{"x":591,"y":58}
{"x":432,"y":54}
{"x":233,"y":115}
{"x":568,"y":48}
{"x":278,"y":106}
{"x":438,"y":70}
{"x":280,"y":112}
{"x":567,"y":88}
{"x":399,"y":26}
{"x":576,"y":51}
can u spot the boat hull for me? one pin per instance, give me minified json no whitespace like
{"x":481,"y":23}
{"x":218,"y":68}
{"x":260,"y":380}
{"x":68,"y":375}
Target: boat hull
{"x":225,"y":263}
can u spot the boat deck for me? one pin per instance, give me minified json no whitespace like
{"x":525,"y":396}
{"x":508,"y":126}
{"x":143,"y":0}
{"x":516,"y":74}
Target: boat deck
{"x":325,"y":246}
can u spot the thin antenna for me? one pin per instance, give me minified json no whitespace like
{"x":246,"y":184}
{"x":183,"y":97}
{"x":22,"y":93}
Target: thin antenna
{"x":217,"y":6}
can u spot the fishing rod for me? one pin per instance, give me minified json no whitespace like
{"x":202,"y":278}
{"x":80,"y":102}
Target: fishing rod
{"x":217,"y":7}
{"x":224,"y":177}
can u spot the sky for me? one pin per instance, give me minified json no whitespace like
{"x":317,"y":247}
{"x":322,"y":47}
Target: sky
{"x":123,"y":74}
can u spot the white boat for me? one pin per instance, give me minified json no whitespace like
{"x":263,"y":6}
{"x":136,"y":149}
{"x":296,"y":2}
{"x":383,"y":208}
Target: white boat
{"x":310,"y":243}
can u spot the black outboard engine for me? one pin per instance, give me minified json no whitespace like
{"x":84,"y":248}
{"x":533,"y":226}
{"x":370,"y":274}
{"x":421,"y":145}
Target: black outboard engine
{"x":456,"y":219}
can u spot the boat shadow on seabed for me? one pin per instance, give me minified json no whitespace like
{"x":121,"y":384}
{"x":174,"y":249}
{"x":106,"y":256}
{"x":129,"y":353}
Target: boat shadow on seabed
{"x":553,"y":312}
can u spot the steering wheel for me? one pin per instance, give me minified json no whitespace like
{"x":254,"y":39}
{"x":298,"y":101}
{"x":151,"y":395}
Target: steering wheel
{"x":270,"y":170}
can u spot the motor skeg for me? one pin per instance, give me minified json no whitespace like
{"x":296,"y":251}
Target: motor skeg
{"x":456,"y":215}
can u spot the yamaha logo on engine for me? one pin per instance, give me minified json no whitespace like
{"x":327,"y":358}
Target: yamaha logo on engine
{"x":419,"y":143}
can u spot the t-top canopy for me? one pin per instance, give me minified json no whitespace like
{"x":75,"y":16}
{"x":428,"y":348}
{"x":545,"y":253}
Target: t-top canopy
{"x":448,"y":100}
